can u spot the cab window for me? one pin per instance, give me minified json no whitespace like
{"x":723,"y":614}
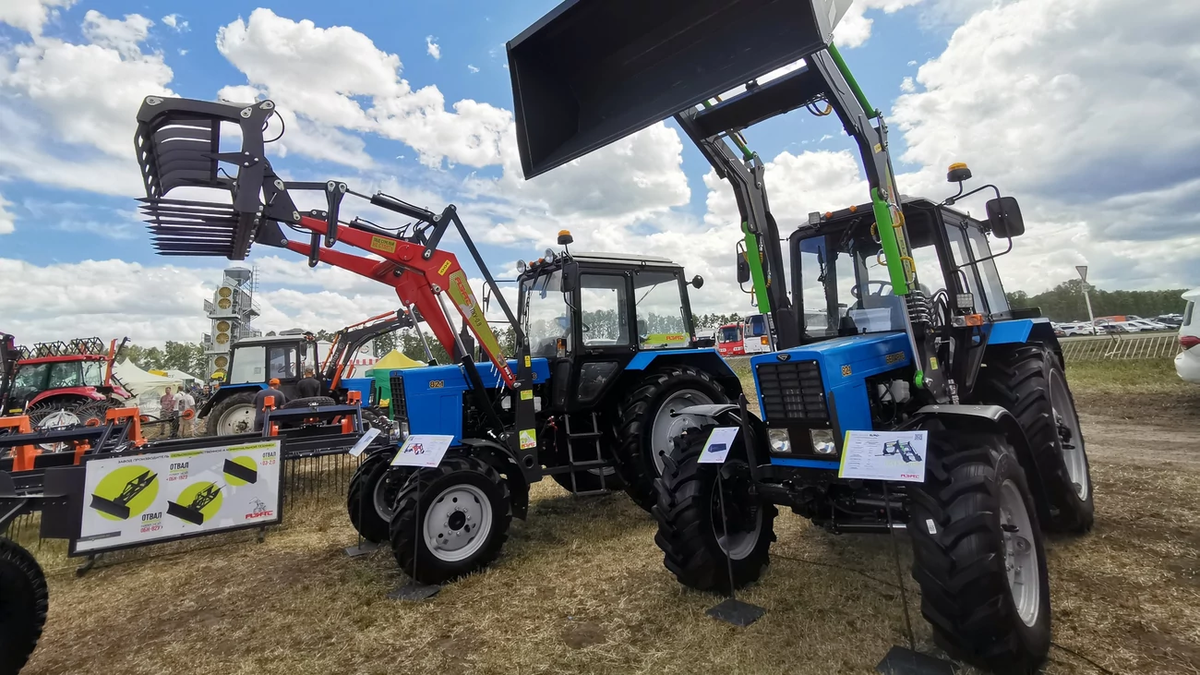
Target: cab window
{"x":283,"y":361}
{"x":248,"y":364}
{"x":659,"y":310}
{"x":604,"y":304}
{"x":65,"y":374}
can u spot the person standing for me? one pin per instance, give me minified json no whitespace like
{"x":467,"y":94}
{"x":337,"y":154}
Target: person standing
{"x":309,"y":385}
{"x":166,"y":406}
{"x":185,"y":403}
{"x":260,"y":402}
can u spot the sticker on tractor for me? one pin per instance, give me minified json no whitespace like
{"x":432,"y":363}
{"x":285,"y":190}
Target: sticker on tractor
{"x":528,"y":439}
{"x":884,"y":455}
{"x":894,"y":357}
{"x":422,"y":450}
{"x":664,"y":339}
{"x":528,"y":362}
{"x":383,"y":244}
{"x":846,"y":372}
{"x":933,"y":363}
{"x":437,"y":384}
{"x":716,"y":449}
{"x":527,"y":395}
{"x":460,"y":292}
{"x":444,"y":268}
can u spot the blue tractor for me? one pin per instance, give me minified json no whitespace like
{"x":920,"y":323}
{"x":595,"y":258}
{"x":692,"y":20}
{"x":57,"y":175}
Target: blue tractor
{"x":603,"y":343}
{"x":897,"y":322}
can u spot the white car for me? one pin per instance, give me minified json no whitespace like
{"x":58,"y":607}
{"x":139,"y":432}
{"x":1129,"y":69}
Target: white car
{"x":1077,"y":328}
{"x":1187,"y":363}
{"x":1149,"y":324}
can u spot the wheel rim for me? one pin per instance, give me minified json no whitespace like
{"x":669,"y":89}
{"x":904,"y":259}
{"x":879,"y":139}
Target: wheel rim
{"x":383,"y":497}
{"x":59,"y":419}
{"x":737,"y":534}
{"x":667,"y":426}
{"x":1070,"y":440}
{"x":1020,"y":554}
{"x":457,"y":523}
{"x":237,"y":420}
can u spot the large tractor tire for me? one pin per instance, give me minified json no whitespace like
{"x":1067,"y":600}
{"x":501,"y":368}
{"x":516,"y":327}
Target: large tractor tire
{"x":647,"y":425}
{"x":978,"y":554}
{"x":24,"y":601}
{"x":451,"y":520}
{"x":234,"y":415}
{"x":1030,"y":383}
{"x":698,"y":547}
{"x":308,"y":402}
{"x":372,"y":495}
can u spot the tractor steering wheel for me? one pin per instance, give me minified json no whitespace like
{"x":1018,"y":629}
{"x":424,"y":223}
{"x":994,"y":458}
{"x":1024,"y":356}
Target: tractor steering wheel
{"x":883,"y":286}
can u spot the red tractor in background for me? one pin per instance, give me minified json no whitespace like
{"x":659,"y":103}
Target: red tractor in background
{"x":60,"y":384}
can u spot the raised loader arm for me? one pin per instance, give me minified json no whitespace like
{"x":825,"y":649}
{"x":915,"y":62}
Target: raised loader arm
{"x":593,"y":71}
{"x":178,"y":145}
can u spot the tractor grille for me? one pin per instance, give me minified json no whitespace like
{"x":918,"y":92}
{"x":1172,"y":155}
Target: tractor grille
{"x":792,"y":392}
{"x":398,"y":405}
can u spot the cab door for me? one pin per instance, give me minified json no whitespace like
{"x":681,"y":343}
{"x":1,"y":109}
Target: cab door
{"x":605,"y":336}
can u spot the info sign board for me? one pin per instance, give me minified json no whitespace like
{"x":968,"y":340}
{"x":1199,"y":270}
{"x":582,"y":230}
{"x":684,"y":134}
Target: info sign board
{"x":884,"y":455}
{"x":146,"y":499}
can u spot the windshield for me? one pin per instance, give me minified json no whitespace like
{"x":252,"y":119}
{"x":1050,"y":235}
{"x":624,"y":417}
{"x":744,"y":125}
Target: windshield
{"x":659,"y":310}
{"x":729,"y":334}
{"x":93,"y":373}
{"x":545,"y":313}
{"x":30,"y":380}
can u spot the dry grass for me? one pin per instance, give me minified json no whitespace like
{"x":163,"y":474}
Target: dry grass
{"x":581,"y":588}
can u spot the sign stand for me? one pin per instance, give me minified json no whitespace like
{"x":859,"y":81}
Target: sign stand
{"x":730,"y":610}
{"x":907,"y":660}
{"x":415,"y":591}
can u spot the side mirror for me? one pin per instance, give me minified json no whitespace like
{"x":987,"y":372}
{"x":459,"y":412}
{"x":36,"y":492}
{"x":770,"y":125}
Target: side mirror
{"x":697,"y":281}
{"x":1004,"y":217}
{"x":570,"y":275}
{"x":743,"y":268}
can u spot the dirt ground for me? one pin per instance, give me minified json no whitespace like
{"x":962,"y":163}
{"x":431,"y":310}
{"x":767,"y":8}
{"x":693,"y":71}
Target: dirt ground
{"x":581,"y":589}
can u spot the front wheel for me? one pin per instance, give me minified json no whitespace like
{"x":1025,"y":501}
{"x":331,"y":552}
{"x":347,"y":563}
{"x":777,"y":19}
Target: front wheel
{"x":702,"y":546}
{"x":450,"y":520}
{"x":24,"y":601}
{"x":234,"y":415}
{"x":372,"y":495}
{"x":978,"y":554}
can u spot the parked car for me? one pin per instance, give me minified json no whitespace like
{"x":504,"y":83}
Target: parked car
{"x":1172,"y":320}
{"x":1187,"y":362}
{"x":1078,"y":328}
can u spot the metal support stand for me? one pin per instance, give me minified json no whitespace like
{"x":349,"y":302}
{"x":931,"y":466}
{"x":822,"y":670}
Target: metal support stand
{"x":87,"y":565}
{"x":262,"y":534}
{"x":731,"y":610}
{"x":415,"y":591}
{"x":907,"y":660}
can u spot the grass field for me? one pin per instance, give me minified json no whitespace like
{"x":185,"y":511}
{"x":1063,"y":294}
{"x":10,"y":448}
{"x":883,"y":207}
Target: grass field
{"x":581,"y":587}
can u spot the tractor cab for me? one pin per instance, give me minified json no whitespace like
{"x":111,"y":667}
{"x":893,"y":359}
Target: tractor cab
{"x":259,"y":359}
{"x":590,"y":314}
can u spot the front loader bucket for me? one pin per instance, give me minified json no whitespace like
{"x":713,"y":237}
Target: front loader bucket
{"x":594,"y":71}
{"x":178,"y":146}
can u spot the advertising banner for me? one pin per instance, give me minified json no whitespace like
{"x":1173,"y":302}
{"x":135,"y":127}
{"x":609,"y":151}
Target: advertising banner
{"x":152,"y":498}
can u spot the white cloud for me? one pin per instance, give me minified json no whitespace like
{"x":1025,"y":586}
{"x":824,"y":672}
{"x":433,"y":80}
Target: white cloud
{"x":7,"y":220}
{"x":432,"y":47}
{"x":907,"y":85}
{"x":176,"y":22}
{"x":125,"y":35}
{"x":472,"y":69}
{"x":855,"y":28}
{"x":30,"y":15}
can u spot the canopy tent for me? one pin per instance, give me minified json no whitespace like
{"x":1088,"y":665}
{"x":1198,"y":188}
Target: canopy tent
{"x":180,"y":375}
{"x":145,"y":387}
{"x":393,"y":360}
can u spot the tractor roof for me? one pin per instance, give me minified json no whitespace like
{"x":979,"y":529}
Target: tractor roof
{"x":57,"y":359}
{"x":268,"y":340}
{"x":623,"y":259}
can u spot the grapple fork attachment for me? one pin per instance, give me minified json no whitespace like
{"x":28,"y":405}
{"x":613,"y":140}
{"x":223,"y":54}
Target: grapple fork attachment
{"x":593,"y":71}
{"x":178,"y":145}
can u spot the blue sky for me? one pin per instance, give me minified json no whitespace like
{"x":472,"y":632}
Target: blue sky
{"x":953,"y":76}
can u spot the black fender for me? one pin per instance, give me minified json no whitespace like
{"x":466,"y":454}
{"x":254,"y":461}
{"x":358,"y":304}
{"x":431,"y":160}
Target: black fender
{"x":992,"y":418}
{"x":502,"y":460}
{"x":729,"y":415}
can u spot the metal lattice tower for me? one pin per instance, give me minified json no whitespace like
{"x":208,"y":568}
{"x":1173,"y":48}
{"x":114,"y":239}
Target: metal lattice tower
{"x":231,"y":310}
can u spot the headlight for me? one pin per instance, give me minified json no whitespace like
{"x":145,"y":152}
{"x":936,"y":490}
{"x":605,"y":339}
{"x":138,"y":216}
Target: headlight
{"x":779,"y":441}
{"x":822,"y":441}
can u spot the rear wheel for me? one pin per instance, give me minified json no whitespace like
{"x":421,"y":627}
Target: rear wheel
{"x":234,"y":415}
{"x":648,"y":424}
{"x":451,"y":520}
{"x":1030,"y":383}
{"x":700,"y":547}
{"x":372,"y":495}
{"x":978,"y":554}
{"x":24,"y":601}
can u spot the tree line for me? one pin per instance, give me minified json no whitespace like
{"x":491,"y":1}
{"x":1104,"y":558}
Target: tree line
{"x":1065,"y":302}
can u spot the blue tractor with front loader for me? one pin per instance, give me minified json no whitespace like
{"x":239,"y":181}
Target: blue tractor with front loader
{"x":897,"y":322}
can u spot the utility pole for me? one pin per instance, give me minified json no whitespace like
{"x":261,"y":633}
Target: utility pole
{"x":1082,"y":269}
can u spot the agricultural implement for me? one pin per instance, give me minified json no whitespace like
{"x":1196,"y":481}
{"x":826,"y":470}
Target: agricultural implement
{"x":60,"y":384}
{"x":255,"y":360}
{"x":603,"y":355}
{"x":910,"y":328}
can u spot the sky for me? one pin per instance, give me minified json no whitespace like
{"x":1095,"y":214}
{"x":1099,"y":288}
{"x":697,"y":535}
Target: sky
{"x":1078,"y":108}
